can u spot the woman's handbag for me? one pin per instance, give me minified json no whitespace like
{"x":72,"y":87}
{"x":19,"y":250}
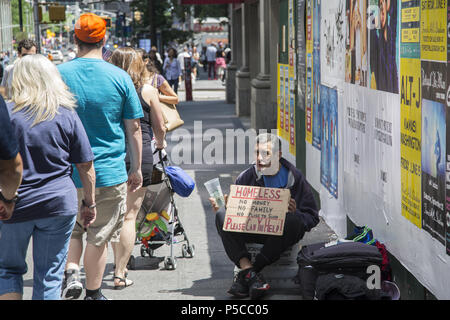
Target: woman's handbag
{"x":172,"y":119}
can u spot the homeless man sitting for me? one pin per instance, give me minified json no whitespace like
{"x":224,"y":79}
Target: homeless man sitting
{"x":270,"y":170}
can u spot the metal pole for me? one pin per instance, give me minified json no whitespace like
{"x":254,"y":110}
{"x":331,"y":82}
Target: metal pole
{"x":20,"y":16}
{"x":36,"y":25}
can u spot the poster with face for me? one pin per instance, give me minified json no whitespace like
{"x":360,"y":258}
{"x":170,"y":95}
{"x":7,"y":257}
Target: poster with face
{"x":434,"y":87}
{"x":433,"y":168}
{"x":356,"y":53}
{"x":332,"y":42}
{"x":383,"y":28}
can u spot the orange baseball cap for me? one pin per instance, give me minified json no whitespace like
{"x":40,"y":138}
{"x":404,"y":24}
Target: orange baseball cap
{"x":90,"y":28}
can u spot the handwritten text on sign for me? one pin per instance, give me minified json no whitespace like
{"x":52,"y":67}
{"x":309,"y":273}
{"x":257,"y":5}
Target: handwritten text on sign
{"x":256,"y":210}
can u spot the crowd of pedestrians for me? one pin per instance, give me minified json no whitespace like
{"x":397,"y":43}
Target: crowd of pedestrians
{"x":75,"y":158}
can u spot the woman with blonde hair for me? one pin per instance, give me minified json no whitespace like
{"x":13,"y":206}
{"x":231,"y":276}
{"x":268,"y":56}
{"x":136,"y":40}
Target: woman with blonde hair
{"x":152,"y":124}
{"x":51,"y":138}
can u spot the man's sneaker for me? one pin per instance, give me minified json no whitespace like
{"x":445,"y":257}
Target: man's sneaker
{"x":72,"y":287}
{"x":257,"y":285}
{"x":239,"y":288}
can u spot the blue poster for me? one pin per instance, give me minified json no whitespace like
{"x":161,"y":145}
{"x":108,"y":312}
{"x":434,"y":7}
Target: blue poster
{"x":324,"y":154}
{"x":433,"y":168}
{"x":333,"y":141}
{"x":329,"y":140}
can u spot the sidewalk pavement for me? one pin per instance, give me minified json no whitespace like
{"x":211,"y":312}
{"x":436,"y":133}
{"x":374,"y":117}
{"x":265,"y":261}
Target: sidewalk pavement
{"x":209,"y":274}
{"x":203,"y":90}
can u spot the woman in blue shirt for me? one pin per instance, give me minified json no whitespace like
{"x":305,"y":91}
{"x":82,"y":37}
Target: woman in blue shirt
{"x":51,"y":138}
{"x":172,"y":69}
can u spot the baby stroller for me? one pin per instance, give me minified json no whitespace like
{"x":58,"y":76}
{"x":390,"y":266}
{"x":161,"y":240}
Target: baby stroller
{"x":157,"y":222}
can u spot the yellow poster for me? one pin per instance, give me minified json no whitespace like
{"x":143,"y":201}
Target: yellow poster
{"x":292,"y":110}
{"x":433,"y":30}
{"x":410,"y":139}
{"x":309,"y":71}
{"x":280,"y":99}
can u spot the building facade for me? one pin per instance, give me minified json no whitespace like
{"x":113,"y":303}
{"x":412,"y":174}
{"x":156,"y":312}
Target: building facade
{"x":6,"y":28}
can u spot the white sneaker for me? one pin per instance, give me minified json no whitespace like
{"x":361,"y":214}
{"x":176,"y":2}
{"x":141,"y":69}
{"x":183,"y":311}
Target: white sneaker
{"x":72,"y":287}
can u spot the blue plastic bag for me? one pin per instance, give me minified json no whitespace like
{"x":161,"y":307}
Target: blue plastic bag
{"x":181,"y":182}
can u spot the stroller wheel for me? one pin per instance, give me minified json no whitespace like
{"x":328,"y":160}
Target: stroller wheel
{"x":170,"y":263}
{"x":191,"y":251}
{"x":143,"y":250}
{"x":150,"y":252}
{"x":188,"y":251}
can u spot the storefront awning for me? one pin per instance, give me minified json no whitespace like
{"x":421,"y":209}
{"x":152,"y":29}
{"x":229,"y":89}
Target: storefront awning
{"x":210,"y":1}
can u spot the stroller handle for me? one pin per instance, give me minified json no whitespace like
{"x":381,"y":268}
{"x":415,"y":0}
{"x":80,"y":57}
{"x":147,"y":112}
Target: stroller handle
{"x":162,"y":161}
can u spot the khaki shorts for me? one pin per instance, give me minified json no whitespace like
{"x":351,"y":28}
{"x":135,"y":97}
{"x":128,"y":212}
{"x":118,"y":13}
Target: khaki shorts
{"x":111,"y":208}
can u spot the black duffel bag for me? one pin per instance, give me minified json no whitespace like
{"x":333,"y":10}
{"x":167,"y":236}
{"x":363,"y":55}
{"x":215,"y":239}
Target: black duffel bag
{"x":348,"y":258}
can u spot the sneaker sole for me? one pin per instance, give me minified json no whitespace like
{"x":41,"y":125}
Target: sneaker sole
{"x":73,"y":291}
{"x":238,"y":295}
{"x":256,"y":294}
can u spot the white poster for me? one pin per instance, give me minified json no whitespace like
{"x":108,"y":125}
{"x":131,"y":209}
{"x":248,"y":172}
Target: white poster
{"x":332,"y":42}
{"x":383,"y":177}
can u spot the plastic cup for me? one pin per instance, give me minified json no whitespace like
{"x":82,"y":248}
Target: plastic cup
{"x":215,"y":191}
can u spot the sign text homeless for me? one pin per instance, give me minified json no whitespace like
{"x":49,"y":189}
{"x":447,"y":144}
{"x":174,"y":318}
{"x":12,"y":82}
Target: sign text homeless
{"x":256,"y":210}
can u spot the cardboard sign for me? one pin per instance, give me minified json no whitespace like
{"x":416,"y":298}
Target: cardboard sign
{"x":256,"y":210}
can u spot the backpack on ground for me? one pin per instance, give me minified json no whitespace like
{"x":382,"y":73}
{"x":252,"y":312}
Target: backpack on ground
{"x":347,"y":258}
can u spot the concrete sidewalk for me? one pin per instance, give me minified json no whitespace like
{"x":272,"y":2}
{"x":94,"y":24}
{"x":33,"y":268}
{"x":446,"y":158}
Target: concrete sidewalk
{"x":210,"y":273}
{"x":203,"y":90}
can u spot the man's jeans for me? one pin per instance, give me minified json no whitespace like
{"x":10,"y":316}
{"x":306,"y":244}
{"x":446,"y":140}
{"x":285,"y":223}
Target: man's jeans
{"x":274,"y":246}
{"x":51,"y":237}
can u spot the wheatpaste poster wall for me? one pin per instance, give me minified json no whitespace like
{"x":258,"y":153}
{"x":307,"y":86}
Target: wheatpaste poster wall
{"x":388,"y":62}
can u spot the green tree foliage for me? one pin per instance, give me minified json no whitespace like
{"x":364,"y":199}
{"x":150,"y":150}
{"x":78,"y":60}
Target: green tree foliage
{"x":27,"y":11}
{"x":165,"y":12}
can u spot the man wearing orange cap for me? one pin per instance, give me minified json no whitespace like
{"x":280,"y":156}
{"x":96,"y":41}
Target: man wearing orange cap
{"x":109,"y":108}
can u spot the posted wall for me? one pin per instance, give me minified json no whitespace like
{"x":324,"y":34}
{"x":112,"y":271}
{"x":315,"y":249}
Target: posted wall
{"x":376,"y":130}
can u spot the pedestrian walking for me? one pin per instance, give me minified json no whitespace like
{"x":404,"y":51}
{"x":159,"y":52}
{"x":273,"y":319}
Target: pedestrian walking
{"x":195,"y":62}
{"x":155,"y":61}
{"x":10,"y":165}
{"x":172,"y":69}
{"x":24,"y":48}
{"x":51,"y":138}
{"x":109,"y":109}
{"x":181,"y":57}
{"x":220,"y":62}
{"x":166,"y":93}
{"x":158,"y":56}
{"x":204,"y":60}
{"x":152,"y":125}
{"x":211,"y":58}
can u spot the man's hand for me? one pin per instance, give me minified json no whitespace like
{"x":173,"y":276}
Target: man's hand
{"x":134,"y":180}
{"x":6,"y":210}
{"x":214,"y":204}
{"x":87,"y":215}
{"x":159,"y":145}
{"x":292,"y":205}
